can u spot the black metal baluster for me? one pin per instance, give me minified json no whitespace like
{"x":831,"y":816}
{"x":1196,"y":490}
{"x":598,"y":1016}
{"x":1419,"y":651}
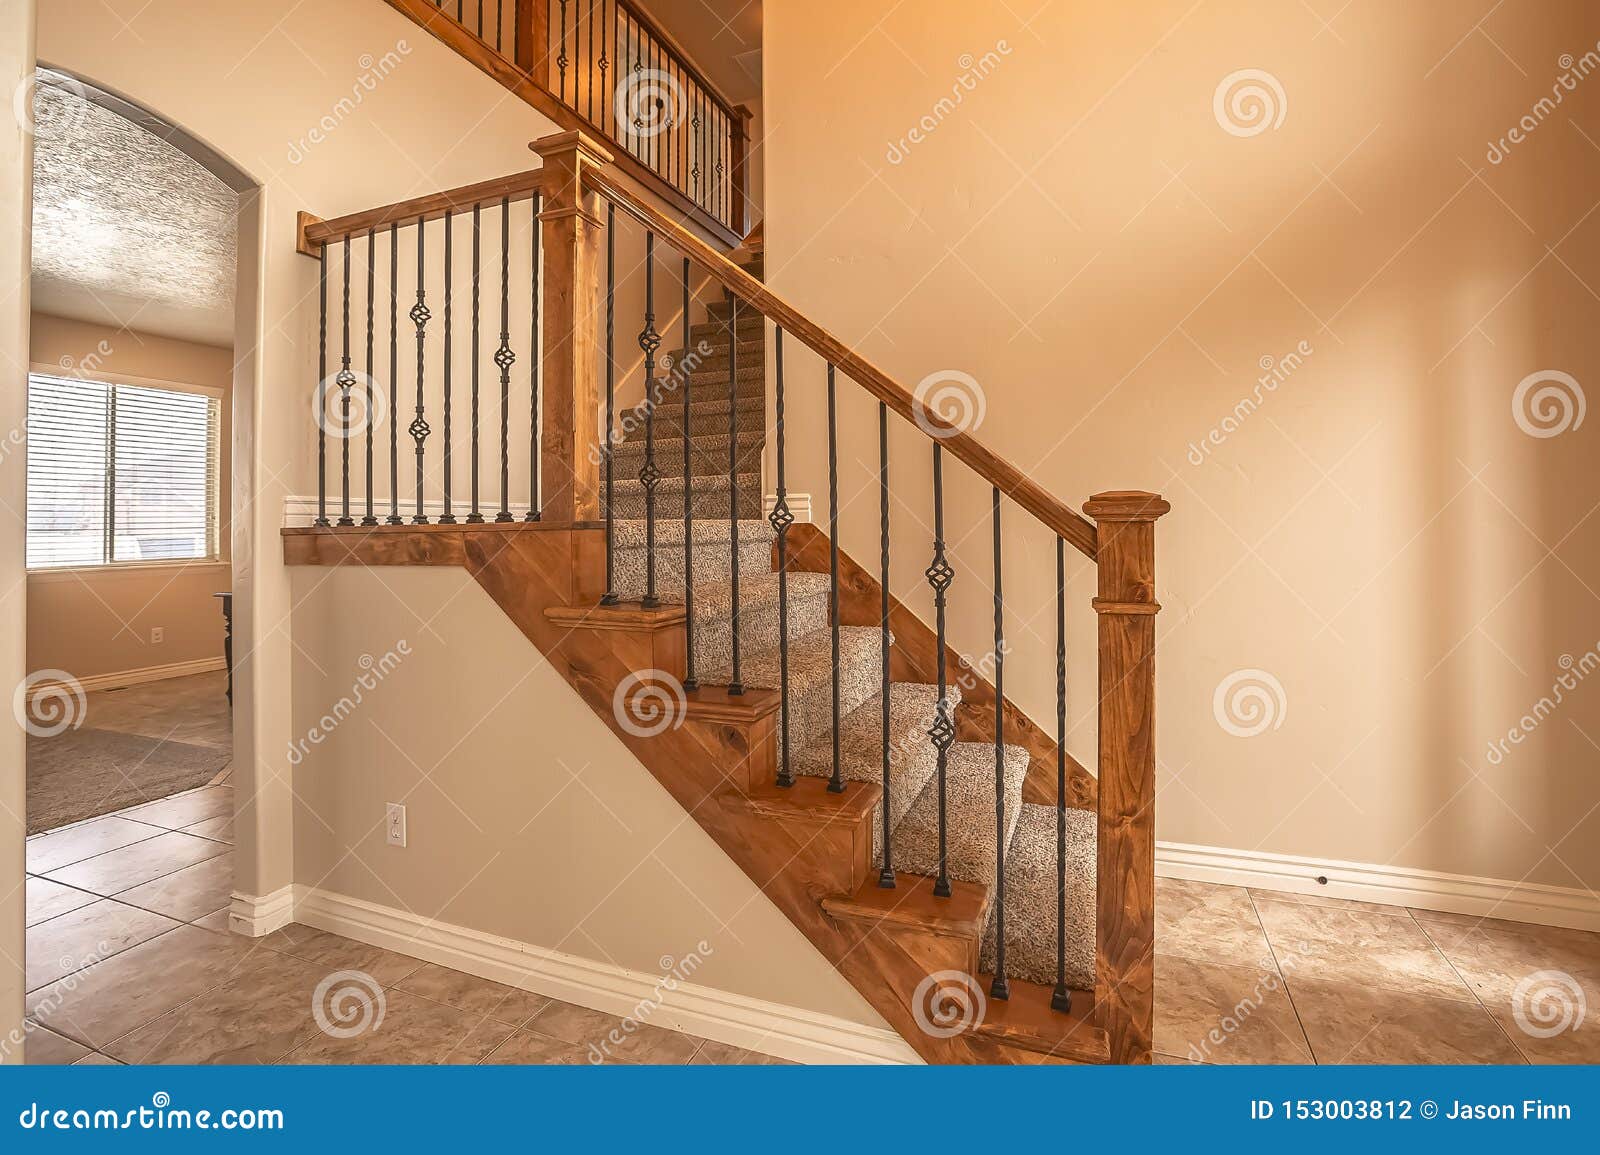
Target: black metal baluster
{"x":885,"y":875}
{"x":394,"y":517}
{"x":1061,"y":997}
{"x":346,"y":381}
{"x":448,"y":517}
{"x":476,"y":516}
{"x":419,"y":426}
{"x":999,"y":989}
{"x":607,"y":31}
{"x":371,"y":518}
{"x":835,"y":780}
{"x":534,"y":513}
{"x":781,"y":519}
{"x":321,"y":394}
{"x":499,"y":22}
{"x":610,"y":596}
{"x":681,"y":372}
{"x":649,"y":475}
{"x":505,"y":358}
{"x":588,"y":76}
{"x":943,"y":730}
{"x":736,"y":686}
{"x":561,"y":60}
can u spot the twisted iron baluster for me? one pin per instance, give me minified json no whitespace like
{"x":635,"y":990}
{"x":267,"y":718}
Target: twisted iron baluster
{"x":998,"y":989}
{"x":533,"y":375}
{"x":610,"y":596}
{"x":649,"y":475}
{"x":321,"y":393}
{"x":419,"y":425}
{"x":561,"y":60}
{"x":835,"y":780}
{"x":372,"y":271}
{"x":394,"y":517}
{"x":448,"y":517}
{"x":681,"y":372}
{"x":476,"y":516}
{"x":886,"y":874}
{"x":943,"y":730}
{"x":781,"y":519}
{"x":1061,"y":997}
{"x":346,"y":381}
{"x":505,"y":358}
{"x":736,"y":686}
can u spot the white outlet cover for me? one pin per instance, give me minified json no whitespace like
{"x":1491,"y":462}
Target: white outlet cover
{"x":396,"y":824}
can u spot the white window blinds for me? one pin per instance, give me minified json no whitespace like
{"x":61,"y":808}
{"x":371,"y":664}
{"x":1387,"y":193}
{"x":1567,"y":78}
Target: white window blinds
{"x":119,"y":473}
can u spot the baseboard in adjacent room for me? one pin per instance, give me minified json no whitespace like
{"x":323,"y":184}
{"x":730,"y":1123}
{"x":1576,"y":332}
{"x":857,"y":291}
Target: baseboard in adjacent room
{"x":1388,"y":885}
{"x":722,"y":1016}
{"x":124,"y":678}
{"x":255,"y":915}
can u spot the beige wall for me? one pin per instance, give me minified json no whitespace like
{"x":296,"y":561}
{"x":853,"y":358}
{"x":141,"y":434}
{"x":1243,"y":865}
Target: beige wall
{"x":16,"y":197}
{"x":1082,"y":235}
{"x":98,"y":621}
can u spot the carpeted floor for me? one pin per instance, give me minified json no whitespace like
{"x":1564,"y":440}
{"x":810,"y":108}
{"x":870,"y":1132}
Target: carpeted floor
{"x":135,"y":745}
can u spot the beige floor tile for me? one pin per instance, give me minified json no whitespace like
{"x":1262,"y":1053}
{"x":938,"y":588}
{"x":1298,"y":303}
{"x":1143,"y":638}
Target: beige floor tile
{"x":1224,"y":1014}
{"x":339,"y":953}
{"x":525,"y":1048}
{"x":474,"y":995}
{"x":185,"y":809}
{"x":47,"y":899}
{"x":259,"y":1015}
{"x":610,"y":1037}
{"x":727,"y":1055}
{"x":96,"y":1059}
{"x":87,"y":937}
{"x":411,"y":1030}
{"x":1347,"y":1023}
{"x":42,"y":1047}
{"x":1541,"y":983}
{"x":187,"y":894}
{"x":1211,"y":923}
{"x":216,"y":921}
{"x":138,"y":985}
{"x":1160,"y":1060}
{"x":1352,"y":946}
{"x":219,"y":829}
{"x":118,"y":870}
{"x":1325,"y":900}
{"x":47,"y":852}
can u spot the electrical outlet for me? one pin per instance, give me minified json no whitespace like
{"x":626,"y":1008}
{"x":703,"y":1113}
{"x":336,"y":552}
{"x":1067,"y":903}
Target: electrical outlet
{"x":158,"y":635}
{"x":397,"y":824}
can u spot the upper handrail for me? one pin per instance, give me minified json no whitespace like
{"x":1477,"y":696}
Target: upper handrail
{"x":315,"y":232}
{"x":1069,"y":525}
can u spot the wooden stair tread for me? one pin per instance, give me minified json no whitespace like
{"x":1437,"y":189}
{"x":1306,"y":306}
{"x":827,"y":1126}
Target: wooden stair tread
{"x":1026,"y":1020}
{"x":912,"y":903}
{"x":622,"y":616}
{"x":809,"y":800}
{"x":715,"y":704}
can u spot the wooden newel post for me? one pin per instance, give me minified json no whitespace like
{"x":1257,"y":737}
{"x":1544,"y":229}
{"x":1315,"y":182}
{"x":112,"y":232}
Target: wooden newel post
{"x":739,"y":191}
{"x":1125,"y":910}
{"x":571,"y":320}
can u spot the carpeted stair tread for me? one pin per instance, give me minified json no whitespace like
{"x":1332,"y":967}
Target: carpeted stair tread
{"x":708,"y":454}
{"x":758,"y":615}
{"x":969,"y":805}
{"x":710,"y":499}
{"x":811,"y":676}
{"x":1031,"y":899}
{"x":711,"y":554}
{"x":706,"y":419}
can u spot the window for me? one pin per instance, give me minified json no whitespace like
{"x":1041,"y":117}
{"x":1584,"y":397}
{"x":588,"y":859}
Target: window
{"x":119,"y":473}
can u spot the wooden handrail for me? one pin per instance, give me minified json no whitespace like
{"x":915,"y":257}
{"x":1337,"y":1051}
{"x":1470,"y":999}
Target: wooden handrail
{"x":1015,"y":484}
{"x":314,"y":232}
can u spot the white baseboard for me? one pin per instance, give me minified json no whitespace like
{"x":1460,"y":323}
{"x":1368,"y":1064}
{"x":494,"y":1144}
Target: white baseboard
{"x":1388,"y":885}
{"x":722,"y":1016}
{"x":255,"y":915}
{"x":799,"y":505}
{"x":124,"y":678}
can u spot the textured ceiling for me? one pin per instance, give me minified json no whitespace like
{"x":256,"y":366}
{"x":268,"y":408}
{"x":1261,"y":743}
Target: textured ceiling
{"x":127,"y":230}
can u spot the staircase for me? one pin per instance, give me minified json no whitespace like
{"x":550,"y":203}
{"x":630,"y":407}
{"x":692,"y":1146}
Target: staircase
{"x":990,"y":897}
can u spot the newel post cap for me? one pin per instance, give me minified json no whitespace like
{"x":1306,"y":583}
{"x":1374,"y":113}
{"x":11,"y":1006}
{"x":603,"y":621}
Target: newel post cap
{"x":1126,"y":505}
{"x":587,"y":148}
